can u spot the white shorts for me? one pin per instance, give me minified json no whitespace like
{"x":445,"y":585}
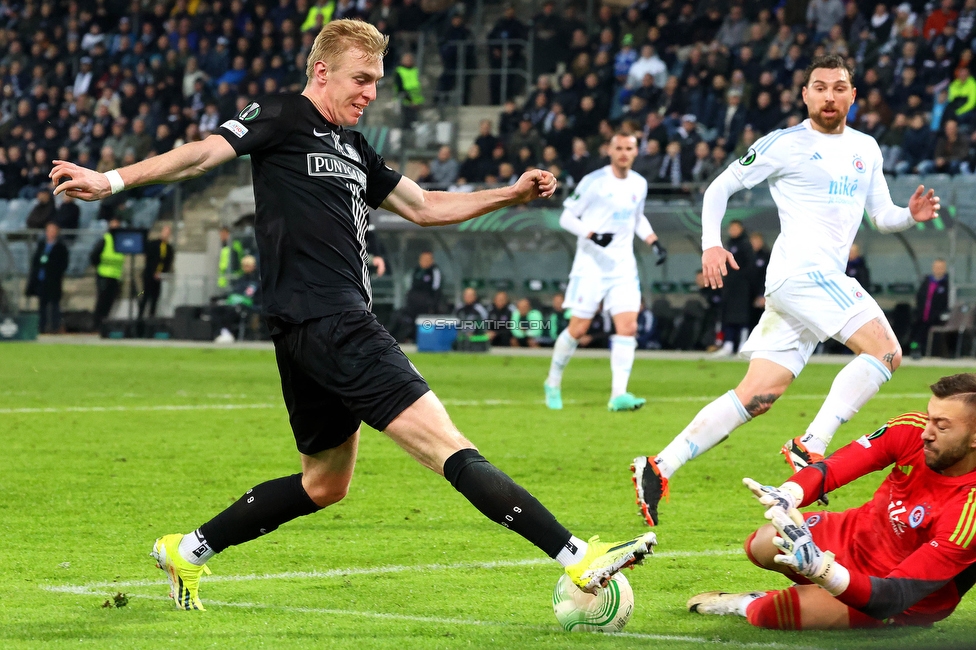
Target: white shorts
{"x":805,"y":310}
{"x":618,"y":294}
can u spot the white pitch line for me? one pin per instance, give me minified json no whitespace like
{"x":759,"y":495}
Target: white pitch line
{"x":441,"y":620}
{"x":446,"y":402}
{"x":362,"y":571}
{"x":154,"y":407}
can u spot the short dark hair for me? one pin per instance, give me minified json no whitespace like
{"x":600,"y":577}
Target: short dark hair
{"x":961,"y":386}
{"x":829,"y":62}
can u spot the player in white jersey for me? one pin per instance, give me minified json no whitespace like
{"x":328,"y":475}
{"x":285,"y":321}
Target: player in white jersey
{"x":605,"y":212}
{"x":822,"y":177}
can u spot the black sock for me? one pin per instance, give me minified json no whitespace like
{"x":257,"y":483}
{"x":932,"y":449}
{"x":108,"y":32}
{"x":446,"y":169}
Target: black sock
{"x":261,"y":510}
{"x":504,"y":501}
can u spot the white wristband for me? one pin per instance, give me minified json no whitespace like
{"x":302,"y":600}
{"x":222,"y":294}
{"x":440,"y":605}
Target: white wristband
{"x":115,"y":180}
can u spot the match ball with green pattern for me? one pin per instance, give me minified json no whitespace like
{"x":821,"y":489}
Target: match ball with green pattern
{"x":607,"y":611}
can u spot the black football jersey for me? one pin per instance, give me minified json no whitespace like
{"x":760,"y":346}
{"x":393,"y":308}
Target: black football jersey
{"x":313,"y":181}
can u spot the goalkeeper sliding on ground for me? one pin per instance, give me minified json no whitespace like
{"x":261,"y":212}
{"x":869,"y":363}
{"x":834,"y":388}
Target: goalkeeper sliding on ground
{"x":906,"y":557}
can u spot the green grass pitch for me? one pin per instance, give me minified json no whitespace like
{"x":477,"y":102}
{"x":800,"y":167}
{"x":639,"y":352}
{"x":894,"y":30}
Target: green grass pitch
{"x":102,"y":449}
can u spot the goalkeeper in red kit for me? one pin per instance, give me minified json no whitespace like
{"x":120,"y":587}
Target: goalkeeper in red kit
{"x":906,"y":557}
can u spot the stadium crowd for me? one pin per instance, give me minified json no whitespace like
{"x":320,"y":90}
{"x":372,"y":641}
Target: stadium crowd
{"x":699,"y":85}
{"x":105,"y":83}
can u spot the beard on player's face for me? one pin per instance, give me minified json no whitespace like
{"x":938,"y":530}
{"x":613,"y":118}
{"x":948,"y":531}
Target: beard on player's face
{"x":829,"y":123}
{"x":939,"y":461}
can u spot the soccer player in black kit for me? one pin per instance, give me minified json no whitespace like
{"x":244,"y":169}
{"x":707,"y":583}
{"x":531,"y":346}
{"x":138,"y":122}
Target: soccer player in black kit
{"x":314,"y":182}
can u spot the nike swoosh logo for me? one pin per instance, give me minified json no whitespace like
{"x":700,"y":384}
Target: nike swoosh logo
{"x":316,"y":133}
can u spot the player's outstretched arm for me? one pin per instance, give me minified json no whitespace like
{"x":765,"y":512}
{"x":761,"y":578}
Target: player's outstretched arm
{"x":188,"y":161}
{"x":427,"y":208}
{"x":715,"y":259}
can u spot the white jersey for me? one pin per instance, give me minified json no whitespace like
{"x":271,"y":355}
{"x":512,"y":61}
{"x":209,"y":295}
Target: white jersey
{"x":603,"y":203}
{"x":821,"y":184}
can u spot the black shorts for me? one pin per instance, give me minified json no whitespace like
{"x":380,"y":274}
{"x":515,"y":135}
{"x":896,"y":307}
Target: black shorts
{"x":338,"y":371}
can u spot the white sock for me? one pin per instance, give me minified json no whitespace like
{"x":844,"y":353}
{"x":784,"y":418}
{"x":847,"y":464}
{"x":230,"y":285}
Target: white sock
{"x":853,"y":386}
{"x":746,"y":600}
{"x":573,"y":552}
{"x":622,"y":350}
{"x":712,"y":425}
{"x":195,"y":549}
{"x":562,"y":352}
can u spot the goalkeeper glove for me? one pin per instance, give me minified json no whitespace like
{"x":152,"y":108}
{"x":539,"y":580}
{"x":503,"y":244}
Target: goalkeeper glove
{"x":801,"y":554}
{"x":602,"y":238}
{"x":787,"y":496}
{"x":661,"y":252}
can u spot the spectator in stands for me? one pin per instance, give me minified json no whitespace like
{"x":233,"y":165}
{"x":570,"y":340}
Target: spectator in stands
{"x":43,"y":211}
{"x":916,"y":145}
{"x":731,"y":120}
{"x":474,"y":168}
{"x":46,"y":277}
{"x":764,"y":117}
{"x":648,"y":163}
{"x":506,"y":174}
{"x":506,"y":54}
{"x":703,"y":167}
{"x":423,"y":297}
{"x":527,"y":325}
{"x":444,"y":169}
{"x":906,"y":86}
{"x":579,"y":163}
{"x":891,"y":141}
{"x":68,"y":217}
{"x":672,"y":174}
{"x":244,"y":300}
{"x":457,"y":53}
{"x":140,"y":141}
{"x":951,"y":151}
{"x":555,"y":320}
{"x":526,"y":136}
{"x":962,"y":95}
{"x":822,"y":15}
{"x":648,"y":63}
{"x":229,"y":263}
{"x":159,"y":260}
{"x":109,"y":266}
{"x":647,"y":329}
{"x":857,"y":267}
{"x":931,"y":305}
{"x":508,"y":119}
{"x":737,"y":290}
{"x":407,"y":81}
{"x":470,"y":308}
{"x":734,"y":28}
{"x":486,"y":141}
{"x":939,"y":18}
{"x":499,"y":316}
{"x":758,"y":275}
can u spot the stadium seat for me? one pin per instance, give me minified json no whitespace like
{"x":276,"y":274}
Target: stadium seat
{"x":17,"y":211}
{"x":902,"y":187}
{"x":474,"y":283}
{"x":144,"y":213}
{"x":535,"y":285}
{"x":963,"y":192}
{"x":20,"y":251}
{"x":88,"y":213}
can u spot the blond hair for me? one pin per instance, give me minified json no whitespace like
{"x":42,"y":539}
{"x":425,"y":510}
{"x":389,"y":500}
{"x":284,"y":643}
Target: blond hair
{"x":340,"y":36}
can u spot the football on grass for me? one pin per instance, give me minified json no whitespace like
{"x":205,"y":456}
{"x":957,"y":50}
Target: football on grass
{"x":606,"y":611}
